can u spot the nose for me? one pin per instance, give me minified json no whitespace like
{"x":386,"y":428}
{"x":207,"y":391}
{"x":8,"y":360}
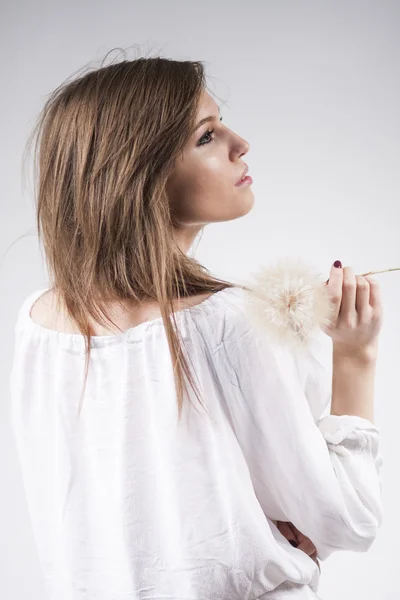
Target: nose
{"x":243,"y":146}
{"x":238,"y":146}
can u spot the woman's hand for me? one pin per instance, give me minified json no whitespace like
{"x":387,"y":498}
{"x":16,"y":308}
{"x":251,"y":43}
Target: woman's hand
{"x":357,"y":312}
{"x":297,"y":539}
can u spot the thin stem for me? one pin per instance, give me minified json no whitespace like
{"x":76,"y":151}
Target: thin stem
{"x":384,"y":271}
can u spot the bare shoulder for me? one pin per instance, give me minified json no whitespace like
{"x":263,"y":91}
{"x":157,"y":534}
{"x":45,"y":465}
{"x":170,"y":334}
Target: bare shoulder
{"x":45,"y":312}
{"x":40,"y":309}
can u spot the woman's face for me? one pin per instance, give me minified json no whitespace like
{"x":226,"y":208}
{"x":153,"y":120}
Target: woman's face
{"x":202,"y":187}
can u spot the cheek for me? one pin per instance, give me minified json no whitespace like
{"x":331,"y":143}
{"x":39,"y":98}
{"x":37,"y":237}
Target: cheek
{"x":214,"y":173}
{"x":200,"y":184}
{"x":203,"y":191}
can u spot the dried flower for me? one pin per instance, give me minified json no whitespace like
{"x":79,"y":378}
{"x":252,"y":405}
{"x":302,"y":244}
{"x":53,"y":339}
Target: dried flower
{"x":290,"y":301}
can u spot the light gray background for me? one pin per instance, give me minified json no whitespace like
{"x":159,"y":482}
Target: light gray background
{"x":314,"y":87}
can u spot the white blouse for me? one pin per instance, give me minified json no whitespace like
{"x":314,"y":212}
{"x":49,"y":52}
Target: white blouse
{"x":128,"y":503}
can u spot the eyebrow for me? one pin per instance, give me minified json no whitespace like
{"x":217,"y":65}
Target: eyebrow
{"x":206,"y":119}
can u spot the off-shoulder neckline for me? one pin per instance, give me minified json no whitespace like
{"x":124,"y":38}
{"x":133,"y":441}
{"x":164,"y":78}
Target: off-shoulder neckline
{"x":135,"y":330}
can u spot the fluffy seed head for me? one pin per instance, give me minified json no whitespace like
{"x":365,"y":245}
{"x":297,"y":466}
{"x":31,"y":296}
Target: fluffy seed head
{"x":288,"y":301}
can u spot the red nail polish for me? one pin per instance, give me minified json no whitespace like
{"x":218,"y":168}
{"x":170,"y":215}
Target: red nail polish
{"x":337,"y":264}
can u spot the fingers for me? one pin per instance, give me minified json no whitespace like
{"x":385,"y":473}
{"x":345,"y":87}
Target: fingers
{"x":362,"y":300}
{"x":297,"y":539}
{"x":349,"y":291}
{"x":306,"y":546}
{"x":305,"y":543}
{"x":375,"y":298}
{"x":315,"y":559}
{"x":286,"y":530}
{"x":334,"y":284}
{"x":353,"y":295}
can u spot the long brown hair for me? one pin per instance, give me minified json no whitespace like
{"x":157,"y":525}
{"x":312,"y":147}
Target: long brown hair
{"x":106,"y":143}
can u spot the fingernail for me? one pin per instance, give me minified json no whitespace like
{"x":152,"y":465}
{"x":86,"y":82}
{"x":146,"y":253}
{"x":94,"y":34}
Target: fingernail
{"x":337,"y":264}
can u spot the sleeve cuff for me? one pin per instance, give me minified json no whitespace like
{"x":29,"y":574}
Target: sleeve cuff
{"x":344,"y":433}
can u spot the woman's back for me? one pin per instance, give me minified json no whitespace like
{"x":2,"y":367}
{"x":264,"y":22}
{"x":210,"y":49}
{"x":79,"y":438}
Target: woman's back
{"x":127,"y":502}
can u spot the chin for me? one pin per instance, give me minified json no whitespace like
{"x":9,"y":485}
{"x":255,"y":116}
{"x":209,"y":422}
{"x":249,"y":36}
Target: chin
{"x":239,"y":209}
{"x":246,"y":204}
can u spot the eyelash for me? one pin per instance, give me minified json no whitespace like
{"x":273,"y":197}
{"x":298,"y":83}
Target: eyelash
{"x":209,"y":132}
{"x":201,"y":143}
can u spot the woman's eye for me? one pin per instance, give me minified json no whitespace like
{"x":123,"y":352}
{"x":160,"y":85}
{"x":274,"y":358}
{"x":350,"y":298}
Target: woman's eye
{"x":206,"y":136}
{"x":206,"y":139}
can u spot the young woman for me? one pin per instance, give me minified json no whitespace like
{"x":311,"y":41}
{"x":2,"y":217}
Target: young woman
{"x":142,"y":484}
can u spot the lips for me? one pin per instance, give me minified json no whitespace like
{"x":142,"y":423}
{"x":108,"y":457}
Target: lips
{"x":243,"y":174}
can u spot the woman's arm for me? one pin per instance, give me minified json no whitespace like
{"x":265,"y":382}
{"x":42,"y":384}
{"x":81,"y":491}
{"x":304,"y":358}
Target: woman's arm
{"x":352,"y":394}
{"x":322,"y":475}
{"x":353,"y":382}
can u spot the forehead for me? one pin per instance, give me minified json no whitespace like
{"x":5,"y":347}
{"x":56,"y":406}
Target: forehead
{"x":207,"y":106}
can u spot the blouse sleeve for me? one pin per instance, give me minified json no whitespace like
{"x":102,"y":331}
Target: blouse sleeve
{"x":322,"y":473}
